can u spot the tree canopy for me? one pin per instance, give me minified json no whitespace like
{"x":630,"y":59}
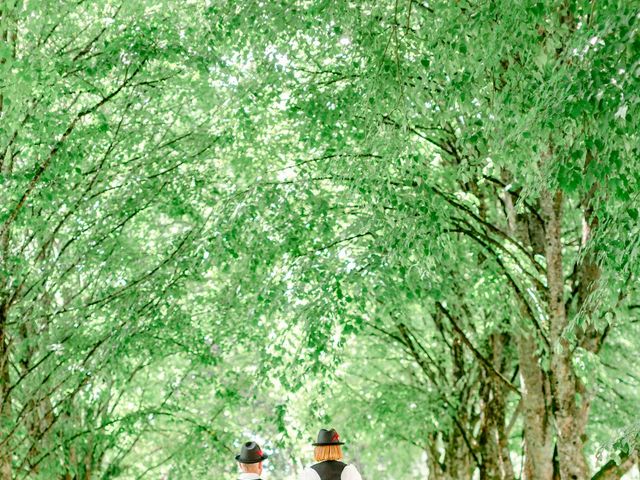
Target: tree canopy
{"x":415,"y":221}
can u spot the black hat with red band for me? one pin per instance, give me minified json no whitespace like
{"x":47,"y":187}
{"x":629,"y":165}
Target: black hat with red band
{"x":327,"y":437}
{"x":251,"y":453}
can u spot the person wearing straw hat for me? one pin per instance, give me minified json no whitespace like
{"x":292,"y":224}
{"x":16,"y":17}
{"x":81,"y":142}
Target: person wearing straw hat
{"x":250,"y":461}
{"x":328,"y":454}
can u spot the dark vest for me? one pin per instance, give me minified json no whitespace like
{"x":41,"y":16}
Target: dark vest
{"x":329,"y":470}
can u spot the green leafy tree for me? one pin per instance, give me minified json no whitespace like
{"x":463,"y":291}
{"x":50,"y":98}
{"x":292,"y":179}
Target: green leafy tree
{"x":214,"y":213}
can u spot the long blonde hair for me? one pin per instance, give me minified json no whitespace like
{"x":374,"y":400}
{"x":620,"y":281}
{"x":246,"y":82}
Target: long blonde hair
{"x":323,"y":453}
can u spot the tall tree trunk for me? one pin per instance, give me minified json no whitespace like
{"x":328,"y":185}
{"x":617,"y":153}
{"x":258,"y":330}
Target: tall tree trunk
{"x":488,"y":442}
{"x":534,"y":381}
{"x":437,"y":471}
{"x":495,"y":461}
{"x":457,"y":458}
{"x":5,"y":398}
{"x":500,"y":362}
{"x":535,"y":405}
{"x":570,"y":425}
{"x":505,"y":456}
{"x":456,"y":464}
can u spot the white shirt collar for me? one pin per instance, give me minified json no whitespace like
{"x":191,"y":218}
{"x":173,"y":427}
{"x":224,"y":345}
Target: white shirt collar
{"x":249,"y":476}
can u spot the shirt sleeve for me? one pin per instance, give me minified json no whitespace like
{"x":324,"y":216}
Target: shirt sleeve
{"x":350,"y":473}
{"x":309,"y":474}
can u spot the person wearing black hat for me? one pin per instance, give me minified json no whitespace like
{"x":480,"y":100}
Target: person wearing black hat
{"x":328,"y":454}
{"x":250,"y":461}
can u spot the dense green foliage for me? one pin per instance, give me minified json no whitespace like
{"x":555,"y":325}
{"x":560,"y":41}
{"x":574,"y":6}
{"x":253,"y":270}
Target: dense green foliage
{"x":414,"y":221}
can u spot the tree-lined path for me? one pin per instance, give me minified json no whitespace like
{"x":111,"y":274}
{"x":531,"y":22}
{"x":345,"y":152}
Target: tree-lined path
{"x":417,"y":221}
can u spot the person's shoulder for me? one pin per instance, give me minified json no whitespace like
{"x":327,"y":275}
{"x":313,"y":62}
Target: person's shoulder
{"x":350,"y":472}
{"x":309,"y":474}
